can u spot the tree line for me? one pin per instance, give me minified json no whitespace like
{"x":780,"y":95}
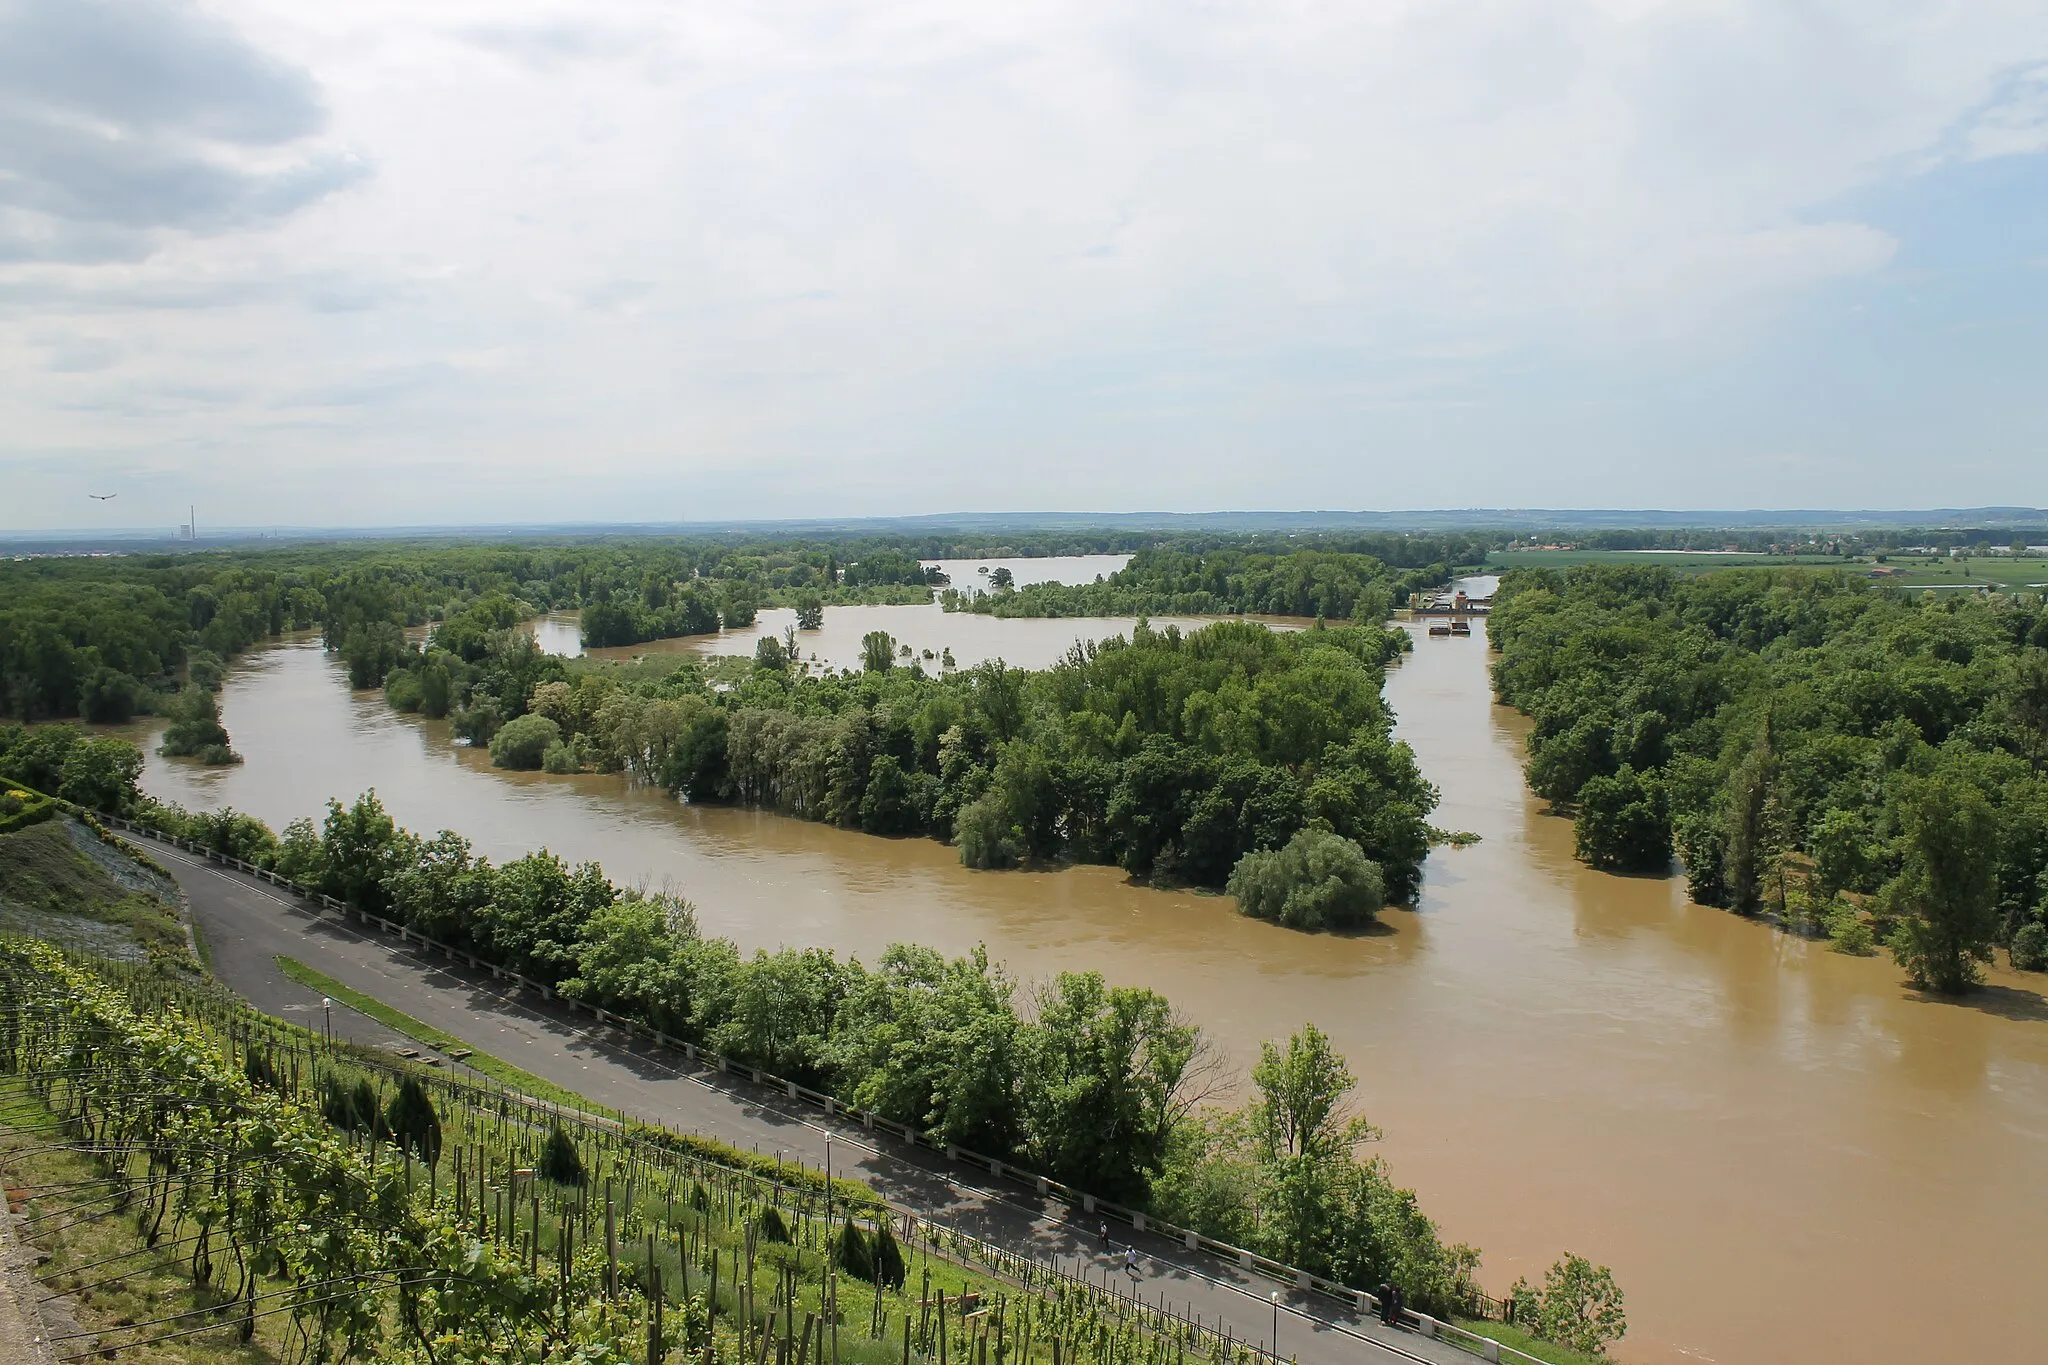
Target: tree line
{"x":1338,"y":585}
{"x":1852,"y":760}
{"x":1174,"y":756}
{"x":106,"y":638}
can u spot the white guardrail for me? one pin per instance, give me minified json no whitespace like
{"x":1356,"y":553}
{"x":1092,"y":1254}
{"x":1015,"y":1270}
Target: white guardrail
{"x":1357,"y":1299}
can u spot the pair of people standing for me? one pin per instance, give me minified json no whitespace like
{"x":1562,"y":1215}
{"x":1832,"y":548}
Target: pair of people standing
{"x":1390,"y":1303}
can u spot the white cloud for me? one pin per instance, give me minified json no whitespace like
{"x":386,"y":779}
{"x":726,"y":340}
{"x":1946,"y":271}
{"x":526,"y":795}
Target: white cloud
{"x":123,"y":120}
{"x":2016,"y":123}
{"x":716,"y":238}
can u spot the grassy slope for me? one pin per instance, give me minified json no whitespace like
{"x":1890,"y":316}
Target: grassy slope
{"x":43,"y":873}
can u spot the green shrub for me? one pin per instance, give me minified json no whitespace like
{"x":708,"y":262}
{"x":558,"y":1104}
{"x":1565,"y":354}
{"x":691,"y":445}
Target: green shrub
{"x":523,"y":743}
{"x":2030,"y":948}
{"x":1623,"y":823}
{"x":204,"y":669}
{"x":984,"y":835}
{"x":195,"y":729}
{"x":1845,"y":925}
{"x":561,"y":758}
{"x":856,"y":1257}
{"x":1579,"y":1306}
{"x":1320,"y":880}
{"x":414,"y":1124}
{"x":369,"y":1118}
{"x":888,"y":1258}
{"x":772,"y":1226}
{"x":338,"y":1106}
{"x":404,"y":691}
{"x":20,"y":807}
{"x":560,"y":1161}
{"x":256,"y":1066}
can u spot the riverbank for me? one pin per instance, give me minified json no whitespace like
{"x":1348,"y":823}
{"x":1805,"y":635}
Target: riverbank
{"x":1563,"y":1059}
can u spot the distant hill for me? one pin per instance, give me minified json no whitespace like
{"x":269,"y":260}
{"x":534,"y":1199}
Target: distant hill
{"x":1528,"y":519}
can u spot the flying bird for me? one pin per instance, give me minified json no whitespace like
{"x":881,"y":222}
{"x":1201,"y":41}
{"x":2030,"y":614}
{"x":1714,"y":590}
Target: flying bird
{"x":102,"y":497}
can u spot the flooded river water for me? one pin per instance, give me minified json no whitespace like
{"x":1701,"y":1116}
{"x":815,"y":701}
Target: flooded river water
{"x":1785,"y":1154}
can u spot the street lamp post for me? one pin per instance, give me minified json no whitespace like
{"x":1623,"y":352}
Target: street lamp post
{"x":327,"y":1018}
{"x":1276,"y":1324}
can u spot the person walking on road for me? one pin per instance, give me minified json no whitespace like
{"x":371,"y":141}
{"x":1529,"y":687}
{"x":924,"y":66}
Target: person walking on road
{"x":1131,"y":1262}
{"x":1102,"y":1234}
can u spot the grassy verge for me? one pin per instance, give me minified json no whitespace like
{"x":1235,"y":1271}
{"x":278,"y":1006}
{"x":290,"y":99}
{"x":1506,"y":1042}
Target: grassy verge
{"x":1521,"y":1341}
{"x":483,"y":1063}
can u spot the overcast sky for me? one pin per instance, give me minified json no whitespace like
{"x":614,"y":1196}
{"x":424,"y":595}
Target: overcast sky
{"x":533,"y":260}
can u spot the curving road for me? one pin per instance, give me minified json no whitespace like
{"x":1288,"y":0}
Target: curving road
{"x":247,"y":924}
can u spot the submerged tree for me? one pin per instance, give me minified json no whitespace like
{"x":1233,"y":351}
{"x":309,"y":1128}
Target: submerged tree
{"x":196,"y":731}
{"x":1945,"y":893}
{"x":1579,"y":1306}
{"x":1320,"y":880}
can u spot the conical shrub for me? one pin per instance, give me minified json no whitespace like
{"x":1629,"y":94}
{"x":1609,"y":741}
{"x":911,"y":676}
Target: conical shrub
{"x":772,"y":1225}
{"x":560,"y":1161}
{"x":888,"y":1258}
{"x":856,"y":1256}
{"x":414,"y":1124}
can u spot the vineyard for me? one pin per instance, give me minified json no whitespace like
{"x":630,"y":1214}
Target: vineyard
{"x":210,"y":1184}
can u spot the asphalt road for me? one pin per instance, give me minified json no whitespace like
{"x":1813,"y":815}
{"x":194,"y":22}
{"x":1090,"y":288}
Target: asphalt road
{"x":247,"y":924}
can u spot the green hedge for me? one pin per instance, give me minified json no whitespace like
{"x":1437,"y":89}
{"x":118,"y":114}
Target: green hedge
{"x":22,"y":806}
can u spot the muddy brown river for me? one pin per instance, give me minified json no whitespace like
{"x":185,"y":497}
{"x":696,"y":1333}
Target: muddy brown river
{"x":1785,"y":1154}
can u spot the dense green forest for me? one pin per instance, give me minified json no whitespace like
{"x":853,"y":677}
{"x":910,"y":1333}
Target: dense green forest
{"x":1095,"y":1084}
{"x":106,"y":637}
{"x":1852,"y":760}
{"x":1341,"y":584}
{"x":1173,"y":756}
